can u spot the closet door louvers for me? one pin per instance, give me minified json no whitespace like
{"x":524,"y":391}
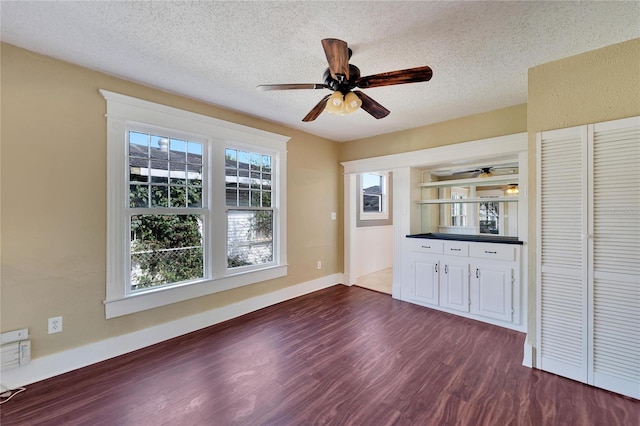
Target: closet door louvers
{"x":615,"y":250}
{"x":589,"y":254}
{"x":562,"y":253}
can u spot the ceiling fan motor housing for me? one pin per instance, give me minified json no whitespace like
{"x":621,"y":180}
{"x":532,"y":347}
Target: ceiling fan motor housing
{"x":346,"y":85}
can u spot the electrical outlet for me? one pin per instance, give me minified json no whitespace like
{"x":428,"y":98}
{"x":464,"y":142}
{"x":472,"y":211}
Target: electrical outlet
{"x":319,"y":264}
{"x":55,"y":325}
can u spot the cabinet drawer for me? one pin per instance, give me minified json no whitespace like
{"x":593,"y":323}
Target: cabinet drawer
{"x":424,"y":245}
{"x":493,"y":251}
{"x":456,"y":248}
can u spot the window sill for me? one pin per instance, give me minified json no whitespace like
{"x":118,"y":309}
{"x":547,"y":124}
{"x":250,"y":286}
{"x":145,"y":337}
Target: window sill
{"x":165,"y":296}
{"x":374,"y":216}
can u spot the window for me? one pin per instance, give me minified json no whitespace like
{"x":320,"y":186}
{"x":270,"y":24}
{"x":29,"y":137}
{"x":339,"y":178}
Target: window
{"x":458,"y":216}
{"x":165,"y":215}
{"x":496,"y":217}
{"x":195,"y":205}
{"x":459,"y":213}
{"x":458,"y":210}
{"x":489,"y":217}
{"x":374,"y":199}
{"x":248,"y":177}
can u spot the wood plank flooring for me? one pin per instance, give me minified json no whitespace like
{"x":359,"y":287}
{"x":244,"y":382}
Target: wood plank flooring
{"x":340,"y":356}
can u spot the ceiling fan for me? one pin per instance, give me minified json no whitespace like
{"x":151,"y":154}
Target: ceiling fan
{"x":342,"y":77}
{"x":485,"y":172}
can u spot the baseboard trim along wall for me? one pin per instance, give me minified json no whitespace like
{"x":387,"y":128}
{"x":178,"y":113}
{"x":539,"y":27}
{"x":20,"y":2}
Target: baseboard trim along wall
{"x":529,"y":355}
{"x":62,"y":362}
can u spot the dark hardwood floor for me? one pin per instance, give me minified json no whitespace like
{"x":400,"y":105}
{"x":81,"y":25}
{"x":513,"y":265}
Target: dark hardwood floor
{"x":340,"y":356}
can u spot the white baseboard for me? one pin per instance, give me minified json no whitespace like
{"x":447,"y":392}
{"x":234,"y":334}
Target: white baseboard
{"x":62,"y":362}
{"x":529,"y":355}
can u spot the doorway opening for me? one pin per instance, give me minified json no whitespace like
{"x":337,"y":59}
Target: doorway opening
{"x":374,"y":231}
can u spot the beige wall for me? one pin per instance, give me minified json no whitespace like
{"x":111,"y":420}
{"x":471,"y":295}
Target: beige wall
{"x":596,"y":86}
{"x":53,"y":134}
{"x":505,"y":121}
{"x":53,"y":176}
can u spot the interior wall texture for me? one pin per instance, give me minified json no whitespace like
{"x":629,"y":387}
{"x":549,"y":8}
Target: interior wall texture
{"x":596,"y":86}
{"x":53,"y":211}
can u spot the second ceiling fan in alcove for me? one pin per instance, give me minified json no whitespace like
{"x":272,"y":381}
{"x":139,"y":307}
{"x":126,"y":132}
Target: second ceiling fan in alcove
{"x":342,"y":77}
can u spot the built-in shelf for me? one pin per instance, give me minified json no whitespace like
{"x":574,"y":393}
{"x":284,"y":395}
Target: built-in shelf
{"x":506,"y":179}
{"x":468,"y":200}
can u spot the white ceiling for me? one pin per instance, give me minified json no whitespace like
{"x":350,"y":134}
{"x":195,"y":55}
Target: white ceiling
{"x":218,"y":52}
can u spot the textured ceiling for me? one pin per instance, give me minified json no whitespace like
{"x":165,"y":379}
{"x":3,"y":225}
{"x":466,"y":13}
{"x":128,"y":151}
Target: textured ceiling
{"x":218,"y":52}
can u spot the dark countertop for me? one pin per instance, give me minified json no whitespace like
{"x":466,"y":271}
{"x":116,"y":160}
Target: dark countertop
{"x":465,"y":237}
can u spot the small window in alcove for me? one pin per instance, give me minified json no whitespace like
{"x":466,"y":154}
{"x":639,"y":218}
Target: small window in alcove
{"x":374,"y":196}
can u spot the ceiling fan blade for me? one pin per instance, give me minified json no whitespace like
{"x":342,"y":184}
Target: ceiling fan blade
{"x":265,"y":87}
{"x":316,"y":110}
{"x":464,"y":172}
{"x":371,"y":106}
{"x":411,"y":75}
{"x":337,"y":56}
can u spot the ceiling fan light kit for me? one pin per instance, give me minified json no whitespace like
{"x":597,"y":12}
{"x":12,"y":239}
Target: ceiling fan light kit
{"x":512,"y":189}
{"x":352,"y":102}
{"x":342,"y":77}
{"x":343,"y":104}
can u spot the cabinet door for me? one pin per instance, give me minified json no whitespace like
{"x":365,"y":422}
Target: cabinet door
{"x":425,"y":279}
{"x":454,"y":285}
{"x":491,"y":291}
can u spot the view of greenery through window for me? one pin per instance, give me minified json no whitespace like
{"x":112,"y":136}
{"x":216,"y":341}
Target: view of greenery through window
{"x":165,"y":249}
{"x":165,"y":173}
{"x":167,"y":211}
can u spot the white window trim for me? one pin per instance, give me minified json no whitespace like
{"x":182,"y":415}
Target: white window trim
{"x":123,"y":110}
{"x":384,"y":199}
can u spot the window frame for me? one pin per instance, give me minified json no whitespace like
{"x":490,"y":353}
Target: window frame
{"x":274,"y":203}
{"x":384,"y":198}
{"x":125,"y":112}
{"x":203,"y":210}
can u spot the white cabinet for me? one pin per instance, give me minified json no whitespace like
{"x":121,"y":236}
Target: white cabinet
{"x":473,"y":279}
{"x":425,"y":282}
{"x":491,"y":288}
{"x":588,"y":271}
{"x":454,"y":284}
{"x":423,"y":271}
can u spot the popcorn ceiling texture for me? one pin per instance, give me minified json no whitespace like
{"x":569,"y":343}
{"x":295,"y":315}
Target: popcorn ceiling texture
{"x":218,"y":52}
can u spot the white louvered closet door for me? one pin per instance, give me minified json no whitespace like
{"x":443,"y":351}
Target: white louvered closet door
{"x":615,"y":269}
{"x":562,"y":253}
{"x":589,"y":254}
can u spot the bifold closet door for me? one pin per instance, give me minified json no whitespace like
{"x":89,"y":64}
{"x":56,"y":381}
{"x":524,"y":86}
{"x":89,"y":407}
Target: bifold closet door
{"x":615,"y":253}
{"x":562,"y":319}
{"x":589,"y":254}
